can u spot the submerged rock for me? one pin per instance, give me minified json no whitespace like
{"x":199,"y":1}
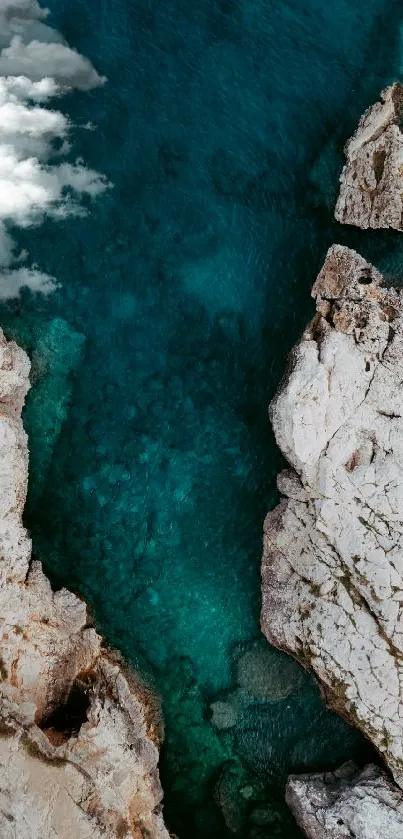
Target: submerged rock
{"x":332,"y":571}
{"x":265,"y":675}
{"x":78,"y":733}
{"x":262,"y":675}
{"x":371,"y":192}
{"x":347,"y":803}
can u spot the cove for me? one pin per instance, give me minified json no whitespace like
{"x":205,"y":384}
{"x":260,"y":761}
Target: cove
{"x":221,"y":128}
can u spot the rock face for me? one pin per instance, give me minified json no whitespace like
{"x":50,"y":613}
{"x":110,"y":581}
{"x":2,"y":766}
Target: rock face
{"x":347,"y":803}
{"x":333,"y":548}
{"x":371,"y":193}
{"x":78,"y":734}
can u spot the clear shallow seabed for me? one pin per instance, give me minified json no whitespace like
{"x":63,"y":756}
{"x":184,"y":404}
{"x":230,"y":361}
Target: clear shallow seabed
{"x":221,"y":127}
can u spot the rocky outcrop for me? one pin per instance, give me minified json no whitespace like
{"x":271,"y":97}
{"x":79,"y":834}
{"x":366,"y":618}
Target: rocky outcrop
{"x":371,"y":192}
{"x":332,"y":571}
{"x":347,"y":803}
{"x":78,"y":733}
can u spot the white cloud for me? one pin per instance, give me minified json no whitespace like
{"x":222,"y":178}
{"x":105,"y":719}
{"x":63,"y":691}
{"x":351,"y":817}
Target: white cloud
{"x":29,"y":189}
{"x":22,"y":89}
{"x":23,"y":17}
{"x":38,"y":59}
{"x":16,"y":118}
{"x":11,"y":282}
{"x":36,"y":65}
{"x":20,"y":10}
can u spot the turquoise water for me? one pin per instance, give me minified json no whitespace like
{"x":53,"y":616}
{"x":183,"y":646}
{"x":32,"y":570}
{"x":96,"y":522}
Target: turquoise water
{"x":152,"y":466}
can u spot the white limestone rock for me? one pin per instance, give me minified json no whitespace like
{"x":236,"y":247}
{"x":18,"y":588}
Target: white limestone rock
{"x":347,"y":803}
{"x":332,"y":569}
{"x":371,"y":192}
{"x":78,"y":734}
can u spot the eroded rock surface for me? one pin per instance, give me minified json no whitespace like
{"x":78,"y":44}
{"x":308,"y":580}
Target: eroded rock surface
{"x":347,"y":804}
{"x":333,"y":548}
{"x":371,"y":192}
{"x":78,"y":734}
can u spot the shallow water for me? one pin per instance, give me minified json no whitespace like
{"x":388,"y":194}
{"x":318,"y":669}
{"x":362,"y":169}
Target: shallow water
{"x":152,"y":462}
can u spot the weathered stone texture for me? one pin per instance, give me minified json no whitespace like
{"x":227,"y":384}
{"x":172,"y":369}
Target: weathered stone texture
{"x":347,"y":804}
{"x":371,"y":191}
{"x":332,"y":567}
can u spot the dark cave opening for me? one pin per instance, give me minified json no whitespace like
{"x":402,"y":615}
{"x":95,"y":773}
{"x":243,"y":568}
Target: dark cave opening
{"x":67,"y":718}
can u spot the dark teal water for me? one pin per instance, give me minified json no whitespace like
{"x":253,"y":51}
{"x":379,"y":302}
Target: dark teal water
{"x":152,"y":466}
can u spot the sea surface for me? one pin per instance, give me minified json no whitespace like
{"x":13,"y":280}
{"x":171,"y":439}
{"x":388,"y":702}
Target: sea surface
{"x":221,"y":128}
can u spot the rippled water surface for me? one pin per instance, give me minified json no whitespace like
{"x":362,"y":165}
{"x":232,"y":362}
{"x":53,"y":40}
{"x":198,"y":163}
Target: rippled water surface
{"x":221,"y":127}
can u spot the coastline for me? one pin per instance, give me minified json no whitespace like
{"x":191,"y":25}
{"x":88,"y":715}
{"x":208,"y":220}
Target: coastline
{"x":79,"y":734}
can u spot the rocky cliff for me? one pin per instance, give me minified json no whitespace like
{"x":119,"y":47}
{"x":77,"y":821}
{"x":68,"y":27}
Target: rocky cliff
{"x":332,"y":571}
{"x":79,"y":734}
{"x":347,"y":803}
{"x":371,"y":192}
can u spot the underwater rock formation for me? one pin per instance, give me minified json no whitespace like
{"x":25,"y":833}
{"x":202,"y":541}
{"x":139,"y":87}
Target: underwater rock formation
{"x":347,"y":803}
{"x":332,"y":563}
{"x":371,"y":192}
{"x":78,"y":734}
{"x":261,"y":674}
